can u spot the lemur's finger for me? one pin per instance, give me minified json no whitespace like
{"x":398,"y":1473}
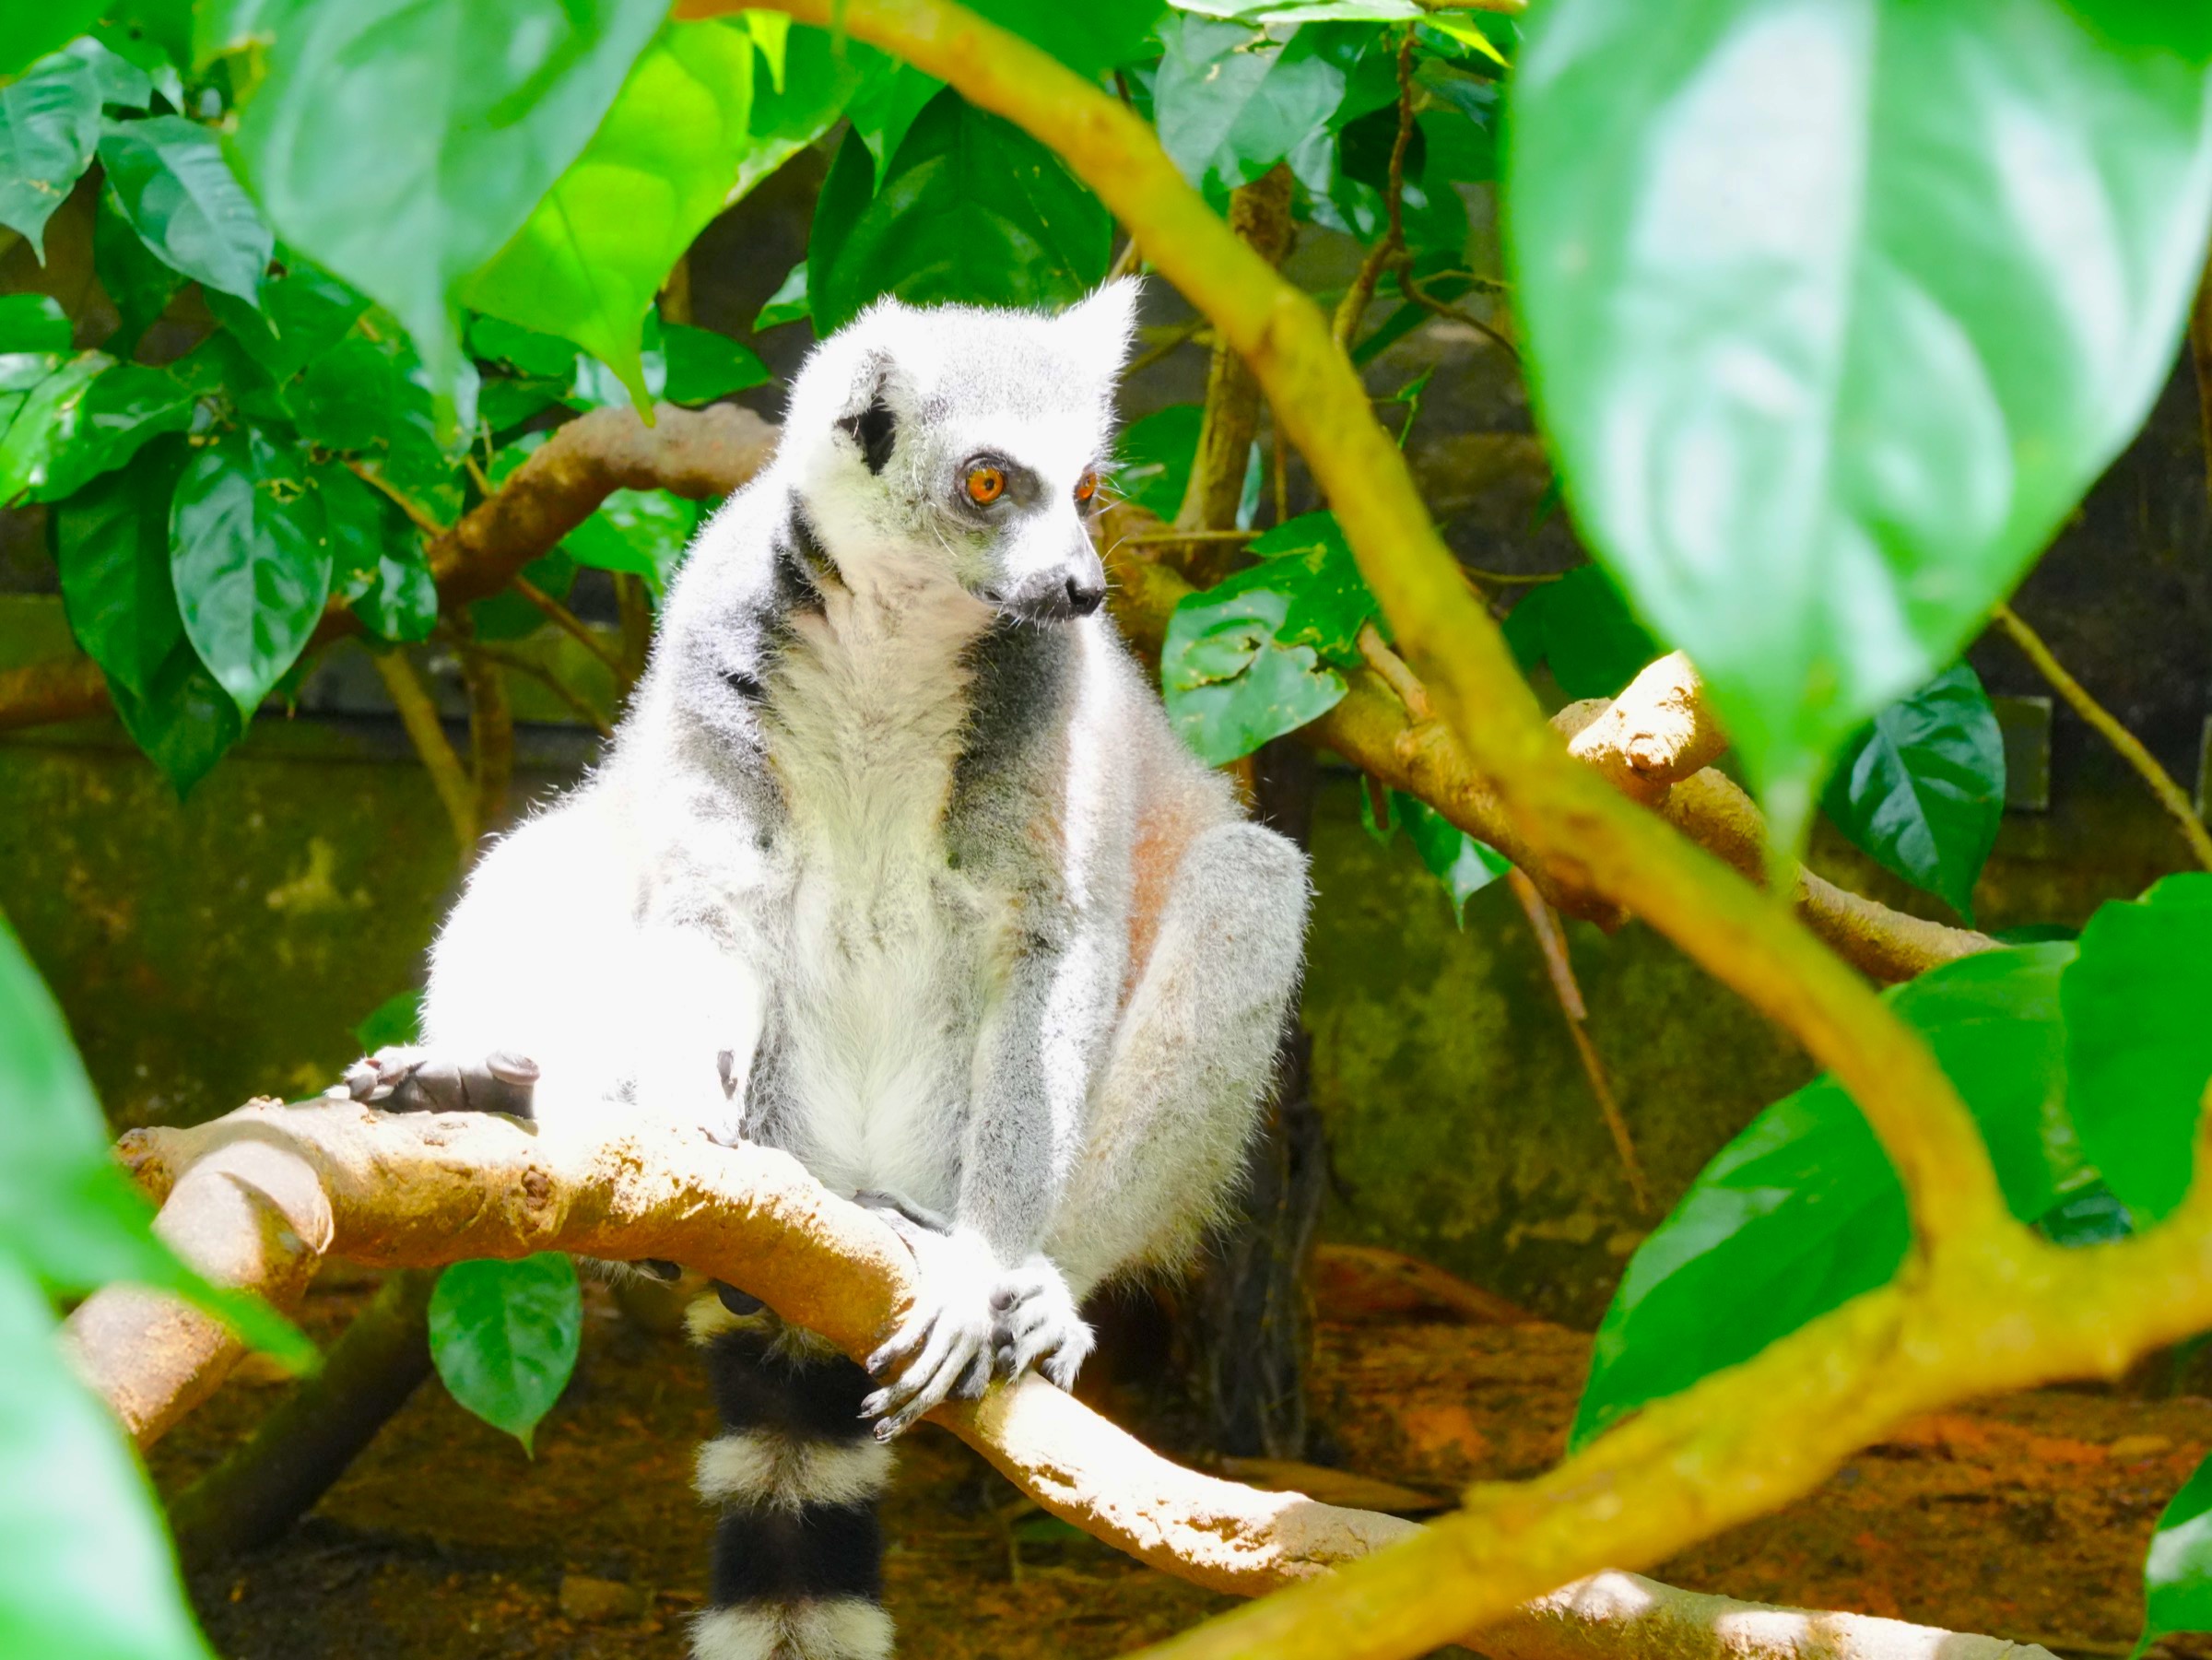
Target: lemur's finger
{"x":1023,"y":1318}
{"x":933,"y":1391}
{"x":901,"y":1343}
{"x":943,"y":1347}
{"x":1061,"y":1366}
{"x":976,"y":1378}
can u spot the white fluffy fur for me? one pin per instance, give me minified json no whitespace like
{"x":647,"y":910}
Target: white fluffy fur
{"x":756,"y":1467}
{"x":836,"y":1627}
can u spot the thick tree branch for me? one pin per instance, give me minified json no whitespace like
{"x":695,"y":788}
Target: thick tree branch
{"x":419,"y":1192}
{"x":700,"y":454}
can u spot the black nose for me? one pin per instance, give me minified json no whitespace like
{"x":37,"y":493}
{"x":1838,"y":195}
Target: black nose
{"x":1083,"y":598}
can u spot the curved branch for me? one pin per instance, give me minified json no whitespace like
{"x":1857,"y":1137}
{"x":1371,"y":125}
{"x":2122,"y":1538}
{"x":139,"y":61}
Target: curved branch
{"x":1652,"y":742}
{"x":699,"y":453}
{"x":419,"y":1192}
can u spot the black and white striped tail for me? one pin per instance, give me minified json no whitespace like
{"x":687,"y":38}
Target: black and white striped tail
{"x":796,"y":1474}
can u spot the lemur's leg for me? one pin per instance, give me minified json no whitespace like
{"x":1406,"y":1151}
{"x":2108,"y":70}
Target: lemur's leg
{"x":1188,"y":1069}
{"x":795,"y":1477}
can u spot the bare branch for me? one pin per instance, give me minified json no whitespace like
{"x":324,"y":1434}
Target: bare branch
{"x":420,"y":1191}
{"x":419,"y":714}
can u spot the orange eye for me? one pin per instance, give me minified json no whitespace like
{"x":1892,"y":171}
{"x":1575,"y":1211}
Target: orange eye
{"x":985,"y":485}
{"x":1086,"y":486}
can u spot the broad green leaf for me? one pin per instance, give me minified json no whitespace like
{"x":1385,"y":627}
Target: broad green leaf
{"x":1090,"y":37}
{"x":504,"y":402}
{"x":101,"y":427}
{"x":788,"y":303}
{"x":250,"y":555}
{"x":29,"y":32}
{"x":644,"y":533}
{"x":973,"y":209}
{"x":821,"y":75}
{"x":1310,"y":561}
{"x":770,"y":32}
{"x":528,"y":349}
{"x":397,"y":1020}
{"x":138,"y":281}
{"x":86,"y":1570}
{"x":33,"y":324}
{"x":27,"y":446}
{"x":376,"y":557}
{"x":587,"y":262}
{"x":703,"y":365}
{"x":1229,"y":685}
{"x":122,"y":83}
{"x":173,"y":186}
{"x":68,"y":1216}
{"x":2177,"y":1570}
{"x":2138,"y":1045}
{"x":1922,"y":789}
{"x":505,"y":1334}
{"x":136,"y":34}
{"x":402,"y":144}
{"x":49,"y":129}
{"x":2153,"y":25}
{"x":1582,"y":628}
{"x":371,"y":393}
{"x":1156,"y":453}
{"x":1802,"y":1211}
{"x":1826,"y":356}
{"x":301,"y":314}
{"x":1463,"y":865}
{"x":1231,"y":102}
{"x":883,"y":110}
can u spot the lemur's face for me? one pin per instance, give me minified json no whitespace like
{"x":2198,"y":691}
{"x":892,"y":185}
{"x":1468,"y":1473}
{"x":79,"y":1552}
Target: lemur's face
{"x":966,"y":449}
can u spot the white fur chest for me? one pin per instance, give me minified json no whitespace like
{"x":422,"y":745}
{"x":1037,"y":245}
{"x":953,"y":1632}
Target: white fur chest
{"x":879,"y":1012}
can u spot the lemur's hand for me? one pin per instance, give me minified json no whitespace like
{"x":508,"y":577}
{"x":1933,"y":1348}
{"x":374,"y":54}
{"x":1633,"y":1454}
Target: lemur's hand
{"x":1035,"y":1324}
{"x":943,"y":1347}
{"x":407,"y":1080}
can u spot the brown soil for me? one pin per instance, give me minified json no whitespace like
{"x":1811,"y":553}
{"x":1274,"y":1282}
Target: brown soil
{"x":2025,"y":1517}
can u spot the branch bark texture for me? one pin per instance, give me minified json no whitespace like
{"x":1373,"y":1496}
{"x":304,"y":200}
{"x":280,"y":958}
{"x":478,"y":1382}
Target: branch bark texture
{"x":419,"y":1192}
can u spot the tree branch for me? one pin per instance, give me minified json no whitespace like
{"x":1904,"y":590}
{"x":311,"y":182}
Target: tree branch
{"x":699,"y":453}
{"x":1259,"y":215}
{"x":419,"y":714}
{"x":416,"y":1192}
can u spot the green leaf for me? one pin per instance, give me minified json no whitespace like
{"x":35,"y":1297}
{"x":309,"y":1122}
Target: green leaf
{"x":376,"y":557}
{"x":49,"y":129}
{"x":1802,"y":1211}
{"x":1826,"y":371}
{"x":788,"y":303}
{"x":397,"y":1020}
{"x":1231,"y":103}
{"x":1156,"y":453}
{"x":1090,"y":39}
{"x":100,"y":428}
{"x":644,"y":533}
{"x":372,"y":394}
{"x":85,"y":1568}
{"x":1584,"y":631}
{"x":1921,"y":791}
{"x":973,"y":209}
{"x":301,"y":314}
{"x":2177,"y":1570}
{"x":505,"y":1337}
{"x":821,"y":75}
{"x":2139,"y":1047}
{"x":33,"y":324}
{"x":883,"y":111}
{"x":251,"y":559}
{"x":587,"y":262}
{"x":703,"y":365}
{"x":402,"y":145}
{"x":140,"y":284}
{"x":178,"y":192}
{"x":1229,"y":684}
{"x":1311,"y":561}
{"x":29,"y":32}
{"x":1463,"y":865}
{"x":122,"y":83}
{"x":2151,"y":25}
{"x":27,"y":449}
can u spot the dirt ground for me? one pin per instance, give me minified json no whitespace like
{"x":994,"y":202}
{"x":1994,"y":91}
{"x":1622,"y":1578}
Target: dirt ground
{"x":2025,"y":1517}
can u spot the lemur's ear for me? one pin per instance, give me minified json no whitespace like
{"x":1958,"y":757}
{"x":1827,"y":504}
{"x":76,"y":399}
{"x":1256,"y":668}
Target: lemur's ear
{"x":867,"y":417}
{"x":1106,"y":321}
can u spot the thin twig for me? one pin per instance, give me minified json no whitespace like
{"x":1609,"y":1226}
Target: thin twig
{"x":1182,"y":335}
{"x":1391,"y":250}
{"x":1279,"y":467}
{"x":2169,"y":795}
{"x":419,"y":714}
{"x":1168,"y":533}
{"x":636,"y":613}
{"x":1126,"y":261}
{"x":1394,"y":673}
{"x":578,"y":705}
{"x":1544,"y":923}
{"x":490,"y":739}
{"x":569,"y":622}
{"x":416,"y":516}
{"x":1511,"y":579}
{"x":1418,"y":291}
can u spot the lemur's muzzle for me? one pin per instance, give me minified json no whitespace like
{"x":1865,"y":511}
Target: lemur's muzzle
{"x":1068,"y":591}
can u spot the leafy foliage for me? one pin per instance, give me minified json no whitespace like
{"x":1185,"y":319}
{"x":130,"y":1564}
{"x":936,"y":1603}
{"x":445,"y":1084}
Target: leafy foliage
{"x":505,"y":1337}
{"x":1802,"y":1211}
{"x":1922,"y":788}
{"x":1582,"y":628}
{"x":1817,"y":418}
{"x":2177,"y":1570}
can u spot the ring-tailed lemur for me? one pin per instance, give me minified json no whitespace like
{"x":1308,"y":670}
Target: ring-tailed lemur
{"x":896,"y":864}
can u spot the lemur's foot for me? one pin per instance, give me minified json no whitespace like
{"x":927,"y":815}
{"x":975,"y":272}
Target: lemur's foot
{"x":1036,"y":1323}
{"x":409,"y":1079}
{"x":943,"y":1347}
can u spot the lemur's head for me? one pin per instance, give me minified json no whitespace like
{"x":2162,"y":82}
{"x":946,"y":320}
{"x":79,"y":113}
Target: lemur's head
{"x":962,"y":446}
